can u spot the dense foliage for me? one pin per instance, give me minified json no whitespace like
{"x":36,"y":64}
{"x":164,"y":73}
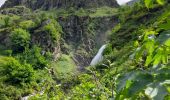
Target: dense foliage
{"x":15,"y":72}
{"x":24,"y":62}
{"x":20,"y":39}
{"x":36,"y":61}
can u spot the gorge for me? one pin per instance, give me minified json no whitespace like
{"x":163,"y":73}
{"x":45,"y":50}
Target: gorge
{"x":84,"y":50}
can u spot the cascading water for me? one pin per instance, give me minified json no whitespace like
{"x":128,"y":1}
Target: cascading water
{"x":99,"y":57}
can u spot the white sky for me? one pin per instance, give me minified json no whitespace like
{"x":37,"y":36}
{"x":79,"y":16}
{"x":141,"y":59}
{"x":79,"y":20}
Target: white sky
{"x":123,"y":1}
{"x":2,"y":2}
{"x":119,"y":1}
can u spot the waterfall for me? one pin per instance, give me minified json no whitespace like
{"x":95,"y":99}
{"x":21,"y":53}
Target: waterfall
{"x":99,"y":57}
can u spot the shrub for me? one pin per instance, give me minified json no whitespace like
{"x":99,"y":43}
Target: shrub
{"x":108,"y":49}
{"x":34,"y":57}
{"x":20,"y":39}
{"x":64,"y":67}
{"x":7,"y":21}
{"x":27,"y":24}
{"x":8,"y":92}
{"x":14,"y":71}
{"x":6,"y":52}
{"x":54,"y":30}
{"x":43,"y":17}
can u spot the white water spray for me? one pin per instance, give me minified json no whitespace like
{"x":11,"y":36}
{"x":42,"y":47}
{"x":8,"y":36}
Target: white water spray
{"x":99,"y":57}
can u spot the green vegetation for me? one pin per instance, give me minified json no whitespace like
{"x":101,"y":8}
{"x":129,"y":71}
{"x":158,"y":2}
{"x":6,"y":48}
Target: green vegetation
{"x":40,"y":53}
{"x":93,"y":12}
{"x":20,"y":39}
{"x":16,"y":72}
{"x":103,"y":11}
{"x":27,"y":24}
{"x":64,"y":67}
{"x":23,"y":59}
{"x":34,"y":57}
{"x":53,"y":31}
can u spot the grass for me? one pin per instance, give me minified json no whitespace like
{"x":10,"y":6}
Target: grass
{"x":64,"y":66}
{"x":104,"y":11}
{"x":93,"y":12}
{"x":12,"y":18}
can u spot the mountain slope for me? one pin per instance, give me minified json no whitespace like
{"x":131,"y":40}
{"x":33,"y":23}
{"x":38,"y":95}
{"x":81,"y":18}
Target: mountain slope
{"x":45,"y":53}
{"x":49,"y":46}
{"x":48,"y":4}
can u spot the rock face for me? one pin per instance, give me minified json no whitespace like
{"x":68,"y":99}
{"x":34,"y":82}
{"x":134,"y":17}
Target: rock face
{"x":47,"y":4}
{"x":133,"y":2}
{"x":17,"y":10}
{"x":85,"y":35}
{"x":82,"y":35}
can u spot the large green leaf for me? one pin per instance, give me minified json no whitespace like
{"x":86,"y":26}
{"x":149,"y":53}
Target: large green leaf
{"x":139,"y":52}
{"x":165,"y":26}
{"x":141,"y":78}
{"x":130,"y":84}
{"x":148,"y":60}
{"x":156,"y":91}
{"x":167,"y":42}
{"x":161,"y":56}
{"x":121,"y":82}
{"x":162,"y":74}
{"x":164,"y":36}
{"x":161,"y":2}
{"x":148,"y":3}
{"x":152,"y":81}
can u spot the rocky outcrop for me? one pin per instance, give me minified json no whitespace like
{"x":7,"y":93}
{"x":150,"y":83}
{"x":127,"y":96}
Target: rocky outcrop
{"x":17,"y":10}
{"x":130,"y":3}
{"x":47,"y":4}
{"x":82,"y":35}
{"x":85,"y":35}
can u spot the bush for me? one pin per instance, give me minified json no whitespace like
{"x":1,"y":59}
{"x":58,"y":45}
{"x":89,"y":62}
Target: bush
{"x":43,"y":16}
{"x":108,"y":50}
{"x":8,"y":92}
{"x":64,"y":66}
{"x":20,"y":39}
{"x":6,"y":21}
{"x":14,"y":71}
{"x":54,"y":30}
{"x":27,"y":24}
{"x":34,"y":57}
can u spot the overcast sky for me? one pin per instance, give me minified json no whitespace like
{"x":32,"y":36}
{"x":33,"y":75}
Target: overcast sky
{"x":2,"y":2}
{"x":123,"y":1}
{"x":119,"y":1}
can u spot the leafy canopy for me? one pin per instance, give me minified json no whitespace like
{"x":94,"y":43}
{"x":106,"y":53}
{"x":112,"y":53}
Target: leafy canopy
{"x":20,"y":39}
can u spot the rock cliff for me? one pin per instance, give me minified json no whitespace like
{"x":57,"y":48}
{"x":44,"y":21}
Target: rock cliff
{"x":85,"y":35}
{"x":47,"y":4}
{"x":82,"y":34}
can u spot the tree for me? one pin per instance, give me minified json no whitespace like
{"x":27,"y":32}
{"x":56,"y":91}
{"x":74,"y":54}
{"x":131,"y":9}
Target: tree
{"x":20,"y":39}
